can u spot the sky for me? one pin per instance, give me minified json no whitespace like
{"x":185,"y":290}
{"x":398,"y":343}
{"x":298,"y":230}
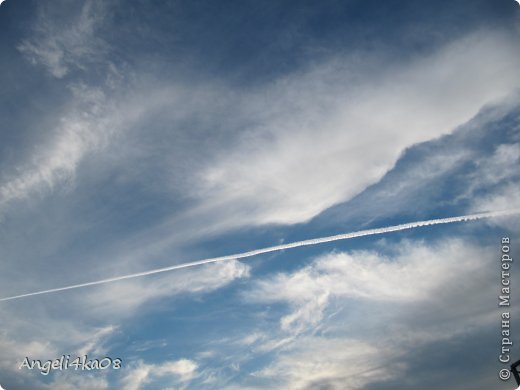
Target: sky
{"x":144,"y":134}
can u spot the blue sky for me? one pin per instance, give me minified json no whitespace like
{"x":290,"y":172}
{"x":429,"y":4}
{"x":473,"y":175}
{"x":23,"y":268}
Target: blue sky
{"x":137,"y":136}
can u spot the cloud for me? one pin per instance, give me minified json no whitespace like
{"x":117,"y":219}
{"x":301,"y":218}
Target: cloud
{"x":64,"y":39}
{"x":62,"y":45}
{"x":411,"y":276}
{"x":55,"y":332}
{"x":48,"y":337}
{"x":500,"y":165}
{"x":252,"y":338}
{"x":123,"y":298}
{"x":506,"y":195}
{"x":320,"y":137}
{"x":72,"y":381}
{"x":180,"y":371}
{"x":85,"y":127}
{"x":94,"y":344}
{"x":499,"y":174}
{"x":357,"y":318}
{"x":316,"y":363}
{"x":442,"y":176}
{"x":58,"y":161}
{"x":14,"y":352}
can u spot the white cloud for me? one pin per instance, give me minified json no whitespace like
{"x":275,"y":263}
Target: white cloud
{"x":94,"y":345}
{"x":252,"y":338}
{"x":71,"y":44}
{"x":501,"y":165}
{"x":14,"y":352}
{"x":75,"y":380}
{"x":492,"y":171}
{"x":55,"y":332}
{"x":321,"y":137}
{"x":123,"y":298}
{"x":494,"y":183}
{"x":507,"y":197}
{"x":413,"y":275}
{"x":88,"y":125}
{"x":91,"y":319}
{"x":330,"y":363}
{"x":356,"y":318}
{"x":48,"y":337}
{"x":182,"y":370}
{"x":502,"y":198}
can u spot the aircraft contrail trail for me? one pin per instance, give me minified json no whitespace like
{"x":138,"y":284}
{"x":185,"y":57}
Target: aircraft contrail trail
{"x":296,"y":244}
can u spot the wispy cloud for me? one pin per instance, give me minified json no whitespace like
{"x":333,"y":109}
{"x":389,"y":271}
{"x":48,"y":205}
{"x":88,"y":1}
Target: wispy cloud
{"x":87,"y":126}
{"x":312,"y":142}
{"x":181,"y":371}
{"x":50,"y":337}
{"x":72,"y":381}
{"x":61,"y":41}
{"x":101,"y":312}
{"x":67,"y":44}
{"x":359,"y":317}
{"x":329,"y":363}
{"x":360,"y":275}
{"x":499,"y":173}
{"x":124,"y":298}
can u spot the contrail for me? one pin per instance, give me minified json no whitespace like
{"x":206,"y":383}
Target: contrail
{"x":296,"y":244}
